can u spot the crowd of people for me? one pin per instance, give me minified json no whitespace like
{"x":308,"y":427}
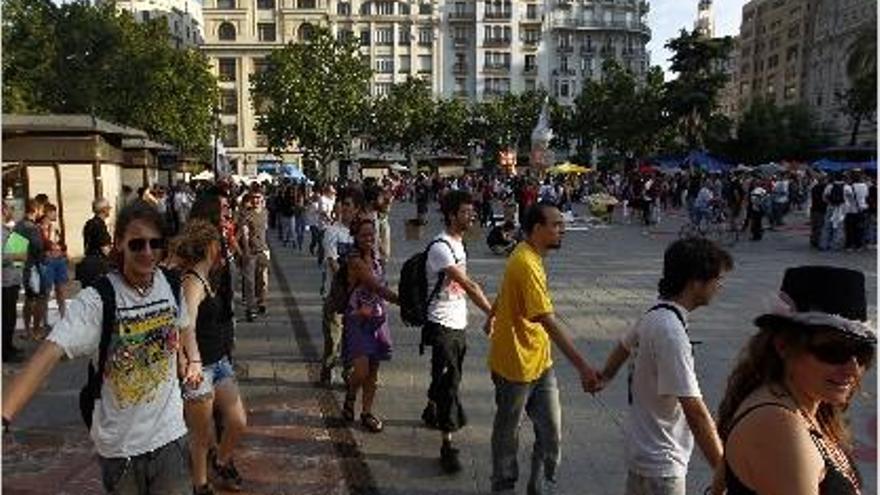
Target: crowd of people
{"x":157,"y":316}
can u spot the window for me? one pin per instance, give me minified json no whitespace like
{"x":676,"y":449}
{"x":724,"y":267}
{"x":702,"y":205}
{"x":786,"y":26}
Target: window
{"x":404,"y":8}
{"x":262,"y":140}
{"x":426,"y":63}
{"x":383,"y":88}
{"x":564,"y":89}
{"x":794,"y":31}
{"x":228,"y":102}
{"x":260,"y":65}
{"x":226,"y":32}
{"x":344,"y":35}
{"x":385,"y":36}
{"x":265,"y":4}
{"x":266,"y":31}
{"x":384,"y":64}
{"x":531,"y":63}
{"x":773,"y":61}
{"x":789,"y":91}
{"x":531,"y":11}
{"x":792,"y":53}
{"x":343,"y":8}
{"x":385,"y":8}
{"x":460,"y":86}
{"x":530,"y":85}
{"x":426,"y":9}
{"x":306,"y":4}
{"x":460,"y":34}
{"x":226,"y":69}
{"x":532,"y":36}
{"x":403,"y":63}
{"x":230,"y":135}
{"x":426,"y":36}
{"x":305,"y":32}
{"x":225,"y":4}
{"x":365,"y":37}
{"x":146,"y":15}
{"x":404,"y":36}
{"x":563,"y":64}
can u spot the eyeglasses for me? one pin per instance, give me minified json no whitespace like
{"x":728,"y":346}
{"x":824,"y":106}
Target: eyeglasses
{"x":841,"y":352}
{"x":138,"y":244}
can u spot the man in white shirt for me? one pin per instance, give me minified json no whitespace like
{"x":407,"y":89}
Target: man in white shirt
{"x":839,"y":197}
{"x":855,"y":217}
{"x":667,"y":411}
{"x":449,"y":288}
{"x":337,"y":243}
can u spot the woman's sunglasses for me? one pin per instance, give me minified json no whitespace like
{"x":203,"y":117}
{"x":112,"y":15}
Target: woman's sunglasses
{"x":138,"y":244}
{"x":841,"y":351}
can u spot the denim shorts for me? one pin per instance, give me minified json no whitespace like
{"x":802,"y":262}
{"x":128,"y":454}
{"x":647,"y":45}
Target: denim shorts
{"x":56,"y":271}
{"x":212,"y":375}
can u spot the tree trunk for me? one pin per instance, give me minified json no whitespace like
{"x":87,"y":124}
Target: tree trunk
{"x":854,"y":137}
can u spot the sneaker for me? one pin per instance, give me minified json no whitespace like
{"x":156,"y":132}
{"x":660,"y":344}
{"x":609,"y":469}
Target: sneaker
{"x":261,"y":310}
{"x":371,"y":423}
{"x":449,"y":459}
{"x":205,"y":489}
{"x":228,"y":475}
{"x":250,"y":316}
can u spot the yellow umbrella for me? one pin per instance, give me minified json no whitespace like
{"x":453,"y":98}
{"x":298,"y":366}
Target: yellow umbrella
{"x":569,"y":168}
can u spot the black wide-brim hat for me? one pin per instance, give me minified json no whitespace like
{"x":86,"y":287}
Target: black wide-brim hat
{"x":822,"y":297}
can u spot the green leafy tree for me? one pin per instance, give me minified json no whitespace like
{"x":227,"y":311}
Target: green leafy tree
{"x":403,"y":118}
{"x":451,"y":126}
{"x":80,"y":58}
{"x":859,"y":101}
{"x":314,"y":94}
{"x":767,"y":133}
{"x":692,"y":97}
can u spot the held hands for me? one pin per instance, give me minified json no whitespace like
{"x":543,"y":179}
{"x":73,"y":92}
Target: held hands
{"x":591,"y":380}
{"x":487,"y":327}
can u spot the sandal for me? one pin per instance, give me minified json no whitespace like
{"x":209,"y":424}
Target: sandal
{"x":348,"y":410}
{"x":371,"y":423}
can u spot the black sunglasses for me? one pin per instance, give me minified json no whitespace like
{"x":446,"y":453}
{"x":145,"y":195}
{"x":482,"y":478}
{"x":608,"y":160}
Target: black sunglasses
{"x":138,"y":244}
{"x":841,"y":352}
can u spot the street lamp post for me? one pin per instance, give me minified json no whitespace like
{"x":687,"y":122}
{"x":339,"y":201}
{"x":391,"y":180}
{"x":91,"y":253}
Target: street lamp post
{"x":216,"y":114}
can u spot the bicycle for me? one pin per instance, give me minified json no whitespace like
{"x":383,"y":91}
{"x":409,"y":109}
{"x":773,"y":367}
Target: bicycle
{"x":714,"y":225}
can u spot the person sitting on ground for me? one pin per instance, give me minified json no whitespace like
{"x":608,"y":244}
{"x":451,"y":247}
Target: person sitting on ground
{"x":501,"y":238}
{"x":782,"y":417}
{"x":137,"y":421}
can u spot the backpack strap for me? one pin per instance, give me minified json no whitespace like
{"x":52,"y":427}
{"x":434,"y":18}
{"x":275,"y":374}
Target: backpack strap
{"x":108,"y":322}
{"x":174,"y":282}
{"x":672,"y":308}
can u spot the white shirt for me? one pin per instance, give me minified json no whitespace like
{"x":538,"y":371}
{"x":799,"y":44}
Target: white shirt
{"x":325,"y":210}
{"x":659,"y":441}
{"x":141,"y":408}
{"x":337,"y":241}
{"x":704,"y":197}
{"x":449,"y":306}
{"x":860,"y":191}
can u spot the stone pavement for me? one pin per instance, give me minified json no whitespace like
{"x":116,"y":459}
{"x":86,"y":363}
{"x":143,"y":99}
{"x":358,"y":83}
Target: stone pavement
{"x":601,"y":281}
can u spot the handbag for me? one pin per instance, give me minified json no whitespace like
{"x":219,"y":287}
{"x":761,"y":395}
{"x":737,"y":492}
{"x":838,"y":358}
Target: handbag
{"x":34,"y":279}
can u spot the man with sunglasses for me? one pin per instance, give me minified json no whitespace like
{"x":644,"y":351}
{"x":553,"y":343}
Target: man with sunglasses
{"x":667,"y":412}
{"x":136,"y":419}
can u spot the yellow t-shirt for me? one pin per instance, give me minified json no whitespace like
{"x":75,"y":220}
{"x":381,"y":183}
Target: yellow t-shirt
{"x":520,"y":349}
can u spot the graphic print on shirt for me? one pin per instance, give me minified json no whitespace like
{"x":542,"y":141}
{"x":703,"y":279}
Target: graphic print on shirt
{"x":141,"y":351}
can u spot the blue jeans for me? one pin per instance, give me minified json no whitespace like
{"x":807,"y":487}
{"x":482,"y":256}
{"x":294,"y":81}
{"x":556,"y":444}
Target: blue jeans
{"x":832,"y":236}
{"x":212,"y":375}
{"x":540,"y":400}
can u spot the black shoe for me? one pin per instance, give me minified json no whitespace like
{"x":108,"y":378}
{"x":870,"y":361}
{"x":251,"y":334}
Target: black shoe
{"x":205,"y":489}
{"x":227,"y":475}
{"x":12,"y":355}
{"x":449,"y":459}
{"x":250,"y":316}
{"x":261,"y":310}
{"x":326,"y":379}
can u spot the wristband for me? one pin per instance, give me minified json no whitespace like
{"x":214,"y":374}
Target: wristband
{"x":6,"y":423}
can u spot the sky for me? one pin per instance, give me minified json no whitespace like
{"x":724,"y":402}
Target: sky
{"x":667,"y":17}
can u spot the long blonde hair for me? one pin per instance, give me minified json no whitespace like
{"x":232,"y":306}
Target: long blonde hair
{"x":191,"y":245}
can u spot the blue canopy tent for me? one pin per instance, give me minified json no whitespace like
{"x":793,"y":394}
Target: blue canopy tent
{"x":668,"y":162}
{"x":292,"y":172}
{"x":827,"y":165}
{"x":706,"y":162}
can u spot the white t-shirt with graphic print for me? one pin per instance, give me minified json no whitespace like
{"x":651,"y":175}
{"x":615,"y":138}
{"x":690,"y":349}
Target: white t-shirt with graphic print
{"x":449,"y":307}
{"x":141,"y":408}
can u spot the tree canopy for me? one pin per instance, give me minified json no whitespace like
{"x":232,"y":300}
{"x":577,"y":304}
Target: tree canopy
{"x":80,"y":58}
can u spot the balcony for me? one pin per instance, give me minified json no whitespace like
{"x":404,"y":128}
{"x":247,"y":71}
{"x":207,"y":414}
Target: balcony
{"x":564,"y":72}
{"x":496,"y":42}
{"x":460,"y":93}
{"x":496,"y":15}
{"x":460,"y":42}
{"x":596,"y":24}
{"x":530,"y":71}
{"x":530,"y":19}
{"x":565,"y":48}
{"x":459,"y":69}
{"x":462,"y":15}
{"x":496,"y":69}
{"x":530,"y":45}
{"x":588,"y":50}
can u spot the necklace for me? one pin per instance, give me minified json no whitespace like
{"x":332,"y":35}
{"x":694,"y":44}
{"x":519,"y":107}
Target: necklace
{"x":141,"y":289}
{"x":830,"y":450}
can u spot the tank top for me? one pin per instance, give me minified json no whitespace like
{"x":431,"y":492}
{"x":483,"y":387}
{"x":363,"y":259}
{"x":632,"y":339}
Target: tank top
{"x":835,"y":481}
{"x":210,"y":334}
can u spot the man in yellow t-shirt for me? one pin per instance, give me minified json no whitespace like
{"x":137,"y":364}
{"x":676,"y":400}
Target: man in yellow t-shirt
{"x":522,"y":327}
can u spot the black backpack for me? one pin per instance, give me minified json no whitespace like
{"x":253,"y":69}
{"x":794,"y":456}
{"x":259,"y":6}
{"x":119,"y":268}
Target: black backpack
{"x":412,"y":289}
{"x":679,"y":317}
{"x":91,"y":391}
{"x":835,"y":196}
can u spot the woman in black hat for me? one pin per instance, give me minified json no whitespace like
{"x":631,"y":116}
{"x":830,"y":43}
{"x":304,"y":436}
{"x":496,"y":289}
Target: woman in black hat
{"x":782,"y":417}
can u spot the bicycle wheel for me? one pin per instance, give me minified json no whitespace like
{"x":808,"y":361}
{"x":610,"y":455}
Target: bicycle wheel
{"x":688,"y":230}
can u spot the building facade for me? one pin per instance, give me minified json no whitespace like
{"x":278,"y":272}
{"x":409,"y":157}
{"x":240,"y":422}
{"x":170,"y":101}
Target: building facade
{"x":471,"y":49}
{"x":833,"y":29}
{"x":705,"y":23}
{"x":184,"y":17}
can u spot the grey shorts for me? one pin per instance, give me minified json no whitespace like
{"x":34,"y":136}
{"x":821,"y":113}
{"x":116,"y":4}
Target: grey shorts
{"x":212,"y":375}
{"x":637,"y":484}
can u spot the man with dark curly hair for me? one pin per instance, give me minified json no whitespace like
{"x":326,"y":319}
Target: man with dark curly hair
{"x":667,"y":412}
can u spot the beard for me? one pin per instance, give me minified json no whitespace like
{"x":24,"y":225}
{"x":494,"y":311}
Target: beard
{"x":555,"y":245}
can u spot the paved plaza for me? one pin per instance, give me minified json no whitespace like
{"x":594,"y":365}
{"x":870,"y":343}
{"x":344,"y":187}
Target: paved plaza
{"x":602,"y":279}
